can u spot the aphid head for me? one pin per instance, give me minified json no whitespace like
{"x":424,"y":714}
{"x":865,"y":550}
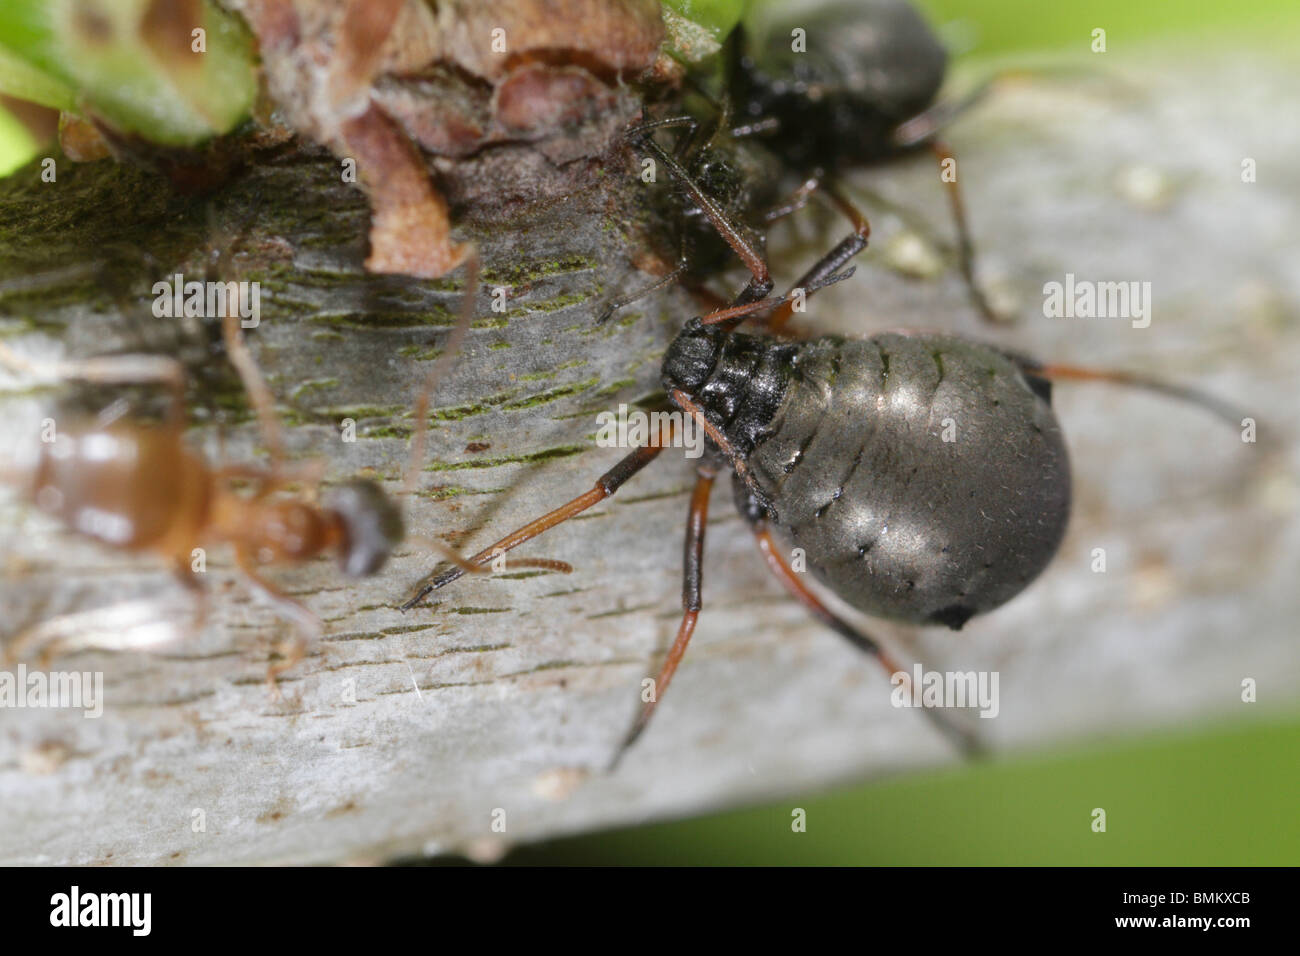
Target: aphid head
{"x":692,"y":356}
{"x":371,"y":524}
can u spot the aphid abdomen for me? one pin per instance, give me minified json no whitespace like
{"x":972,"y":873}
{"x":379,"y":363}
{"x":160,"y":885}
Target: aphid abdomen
{"x":865,"y":66}
{"x":922,"y":475}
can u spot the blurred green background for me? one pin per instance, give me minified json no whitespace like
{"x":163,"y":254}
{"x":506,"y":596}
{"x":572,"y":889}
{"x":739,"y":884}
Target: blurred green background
{"x":1224,"y":797}
{"x":1220,"y":795}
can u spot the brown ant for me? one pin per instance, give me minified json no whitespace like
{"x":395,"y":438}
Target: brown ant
{"x":133,"y":484}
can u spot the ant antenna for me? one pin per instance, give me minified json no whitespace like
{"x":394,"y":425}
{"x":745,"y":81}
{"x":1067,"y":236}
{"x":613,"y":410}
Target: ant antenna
{"x":237,"y":351}
{"x":440,"y":366}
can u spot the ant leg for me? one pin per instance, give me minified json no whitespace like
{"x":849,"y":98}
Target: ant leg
{"x":259,"y":393}
{"x":606,"y":485}
{"x":308,"y":624}
{"x":964,"y":739}
{"x":826,"y":267}
{"x":965,"y":247}
{"x":309,"y":472}
{"x":133,"y":369}
{"x":138,"y":624}
{"x":440,"y":366}
{"x":692,"y":580}
{"x":1046,"y":372}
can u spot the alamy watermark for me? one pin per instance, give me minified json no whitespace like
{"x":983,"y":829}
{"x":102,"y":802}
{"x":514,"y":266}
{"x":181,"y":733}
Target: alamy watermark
{"x":1085,"y":299}
{"x":924,"y":688}
{"x":72,"y":690}
{"x":635,"y":428}
{"x":175,"y":298}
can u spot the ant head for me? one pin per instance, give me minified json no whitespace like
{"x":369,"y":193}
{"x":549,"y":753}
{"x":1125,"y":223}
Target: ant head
{"x":372,"y":526}
{"x":692,"y":356}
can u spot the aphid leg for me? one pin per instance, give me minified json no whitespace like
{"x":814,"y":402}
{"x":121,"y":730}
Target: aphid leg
{"x":761,"y":282}
{"x":825,"y":268}
{"x":692,"y":580}
{"x":965,"y":247}
{"x":677,"y":272}
{"x":672,"y":122}
{"x":964,"y":739}
{"x":308,"y":624}
{"x":818,"y":277}
{"x":684,"y":402}
{"x":794,"y":202}
{"x":925,"y":126}
{"x":1046,"y":371}
{"x":421,"y":416}
{"x":683,"y":260}
{"x":606,"y":485}
{"x":454,"y":557}
{"x":734,"y":234}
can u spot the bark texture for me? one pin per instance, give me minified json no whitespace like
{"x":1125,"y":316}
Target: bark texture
{"x":504,"y":699}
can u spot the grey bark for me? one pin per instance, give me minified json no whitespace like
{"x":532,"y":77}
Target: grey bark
{"x":411,"y":733}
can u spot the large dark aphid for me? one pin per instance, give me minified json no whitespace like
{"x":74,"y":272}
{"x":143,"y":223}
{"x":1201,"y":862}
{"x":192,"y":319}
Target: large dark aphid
{"x":924,"y":476}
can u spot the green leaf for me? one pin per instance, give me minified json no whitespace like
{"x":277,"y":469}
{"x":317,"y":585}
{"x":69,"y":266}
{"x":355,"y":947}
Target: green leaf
{"x":132,"y":63}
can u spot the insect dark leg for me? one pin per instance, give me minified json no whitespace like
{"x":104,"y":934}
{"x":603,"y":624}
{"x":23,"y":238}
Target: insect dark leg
{"x":1051,"y":371}
{"x":761,"y":282}
{"x":794,"y":202}
{"x":692,"y":582}
{"x":924,"y":128}
{"x":965,"y":247}
{"x":826,"y":267}
{"x":732,"y":315}
{"x":965,"y":741}
{"x":607,"y":484}
{"x":678,"y":271}
{"x":682,"y":149}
